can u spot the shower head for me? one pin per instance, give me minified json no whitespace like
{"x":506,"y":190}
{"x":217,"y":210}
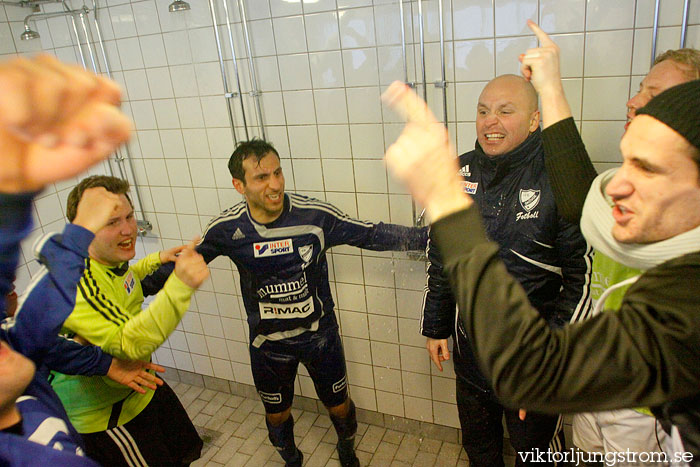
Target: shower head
{"x":28,"y":34}
{"x":178,"y":5}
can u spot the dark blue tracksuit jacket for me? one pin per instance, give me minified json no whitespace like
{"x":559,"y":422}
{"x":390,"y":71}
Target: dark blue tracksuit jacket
{"x":546,"y":254}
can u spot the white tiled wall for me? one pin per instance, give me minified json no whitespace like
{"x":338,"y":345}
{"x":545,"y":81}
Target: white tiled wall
{"x":321,"y":66}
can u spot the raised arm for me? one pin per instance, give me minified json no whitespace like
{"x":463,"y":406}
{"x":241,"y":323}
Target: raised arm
{"x":529,"y":364}
{"x":56,"y":120}
{"x":50,"y":296}
{"x":106,"y":323}
{"x":568,"y":165}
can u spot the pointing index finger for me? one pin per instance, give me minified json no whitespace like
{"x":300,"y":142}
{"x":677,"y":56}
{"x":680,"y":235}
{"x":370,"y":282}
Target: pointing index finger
{"x":541,"y":35}
{"x":406,"y":103}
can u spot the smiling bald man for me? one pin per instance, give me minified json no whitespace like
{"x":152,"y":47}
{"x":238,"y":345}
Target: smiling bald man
{"x":505,"y":175}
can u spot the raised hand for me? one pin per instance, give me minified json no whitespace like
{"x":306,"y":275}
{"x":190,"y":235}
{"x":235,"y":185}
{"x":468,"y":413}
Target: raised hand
{"x":96,"y":207}
{"x":132,"y":373}
{"x":190,"y":267}
{"x":540,"y":66}
{"x":56,"y":120}
{"x":422,"y":157}
{"x":170,"y":255}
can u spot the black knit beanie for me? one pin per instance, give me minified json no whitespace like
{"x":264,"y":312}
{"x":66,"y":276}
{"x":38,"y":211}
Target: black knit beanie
{"x":679,"y":108}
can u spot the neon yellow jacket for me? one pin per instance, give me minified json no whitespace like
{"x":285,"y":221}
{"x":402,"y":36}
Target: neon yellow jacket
{"x":108,"y":314}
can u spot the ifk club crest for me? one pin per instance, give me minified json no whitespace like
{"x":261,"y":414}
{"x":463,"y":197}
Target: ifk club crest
{"x":529,"y":199}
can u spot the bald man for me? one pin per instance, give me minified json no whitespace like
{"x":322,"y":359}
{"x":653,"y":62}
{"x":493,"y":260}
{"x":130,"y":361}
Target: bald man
{"x":505,"y":175}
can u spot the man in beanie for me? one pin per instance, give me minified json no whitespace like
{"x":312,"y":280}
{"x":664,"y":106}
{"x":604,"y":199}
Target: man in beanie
{"x":644,"y":353}
{"x":572,"y":174}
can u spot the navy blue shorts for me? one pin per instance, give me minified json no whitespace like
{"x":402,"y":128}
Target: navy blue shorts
{"x":275,"y":364}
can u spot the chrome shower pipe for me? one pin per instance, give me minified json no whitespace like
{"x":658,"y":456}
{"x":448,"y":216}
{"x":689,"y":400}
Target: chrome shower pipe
{"x":227,"y":93}
{"x":95,"y":18}
{"x":96,"y":70}
{"x":422,"y":48}
{"x":655,"y":32}
{"x":684,"y":27}
{"x":28,"y":4}
{"x":56,"y":14}
{"x":89,"y":42}
{"x":403,"y":45}
{"x":443,"y":83}
{"x":234,"y":58}
{"x":143,"y":225}
{"x":78,"y":42}
{"x":255,"y":92}
{"x":414,"y":211}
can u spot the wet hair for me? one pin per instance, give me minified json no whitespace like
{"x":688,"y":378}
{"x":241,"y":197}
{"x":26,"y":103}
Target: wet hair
{"x":112,"y":184}
{"x":689,"y":58}
{"x":257,"y":148}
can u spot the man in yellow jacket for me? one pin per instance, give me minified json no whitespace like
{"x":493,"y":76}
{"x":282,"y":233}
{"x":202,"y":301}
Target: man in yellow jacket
{"x":119,"y":426}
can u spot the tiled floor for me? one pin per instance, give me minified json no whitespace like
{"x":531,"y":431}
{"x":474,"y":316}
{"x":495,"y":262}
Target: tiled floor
{"x":234,"y":432}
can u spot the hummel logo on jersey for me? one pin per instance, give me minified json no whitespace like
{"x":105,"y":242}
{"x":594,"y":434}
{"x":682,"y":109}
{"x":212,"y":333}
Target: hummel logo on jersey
{"x":278,"y":247}
{"x":237,"y":235}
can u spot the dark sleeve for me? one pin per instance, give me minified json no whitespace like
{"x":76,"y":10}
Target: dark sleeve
{"x":151,"y":284}
{"x":437,"y":321}
{"x":16,"y":451}
{"x":341,"y":229}
{"x":644,"y":354}
{"x":575,"y":260}
{"x":50,"y":297}
{"x":569,"y":168}
{"x":15,"y":224}
{"x":71,"y":358}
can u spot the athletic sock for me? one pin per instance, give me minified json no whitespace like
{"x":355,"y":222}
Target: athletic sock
{"x":282,"y":438}
{"x":346,"y":427}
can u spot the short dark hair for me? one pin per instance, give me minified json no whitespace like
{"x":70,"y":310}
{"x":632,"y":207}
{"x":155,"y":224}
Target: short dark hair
{"x":112,"y":184}
{"x":257,"y":148}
